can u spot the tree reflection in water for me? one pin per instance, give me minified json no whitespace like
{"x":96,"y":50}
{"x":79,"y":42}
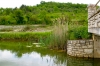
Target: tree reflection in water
{"x":20,"y":53}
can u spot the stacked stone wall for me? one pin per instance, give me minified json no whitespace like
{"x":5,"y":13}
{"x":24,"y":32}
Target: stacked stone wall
{"x":80,"y":48}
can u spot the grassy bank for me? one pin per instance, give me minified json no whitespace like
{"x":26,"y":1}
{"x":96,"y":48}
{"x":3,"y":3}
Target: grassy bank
{"x":34,"y":36}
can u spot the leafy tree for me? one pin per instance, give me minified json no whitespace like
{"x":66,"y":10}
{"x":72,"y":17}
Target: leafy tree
{"x":19,"y":16}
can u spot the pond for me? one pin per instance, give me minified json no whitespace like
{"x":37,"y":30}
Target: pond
{"x":15,"y":53}
{"x":20,"y":54}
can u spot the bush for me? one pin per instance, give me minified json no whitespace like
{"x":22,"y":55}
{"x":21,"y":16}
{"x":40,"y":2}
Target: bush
{"x":78,"y":32}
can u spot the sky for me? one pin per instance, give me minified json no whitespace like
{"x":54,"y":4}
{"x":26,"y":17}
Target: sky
{"x":18,"y":3}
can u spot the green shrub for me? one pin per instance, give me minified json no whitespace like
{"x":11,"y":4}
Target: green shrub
{"x":78,"y":32}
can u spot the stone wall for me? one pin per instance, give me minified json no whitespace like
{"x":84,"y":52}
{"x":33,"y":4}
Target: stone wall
{"x":93,"y":19}
{"x":96,"y":46}
{"x":80,"y":48}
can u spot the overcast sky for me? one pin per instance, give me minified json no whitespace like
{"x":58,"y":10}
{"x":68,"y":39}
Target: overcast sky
{"x":18,"y":3}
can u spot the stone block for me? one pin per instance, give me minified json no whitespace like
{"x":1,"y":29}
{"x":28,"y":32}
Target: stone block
{"x":81,"y":50}
{"x":74,"y":41}
{"x":90,"y":46}
{"x":88,"y":51}
{"x":69,"y":48}
{"x":69,"y":42}
{"x":72,"y":55}
{"x":69,"y":54}
{"x":80,"y":55}
{"x":84,"y":47}
{"x":87,"y":43}
{"x":91,"y":56}
{"x":82,"y":41}
{"x":83,"y":53}
{"x":86,"y":56}
{"x":74,"y":50}
{"x":91,"y":42}
{"x":78,"y":45}
{"x":77,"y":52}
{"x":77,"y":41}
{"x":74,"y":45}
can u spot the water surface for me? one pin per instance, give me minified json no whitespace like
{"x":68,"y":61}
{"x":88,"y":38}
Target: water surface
{"x":18,"y":54}
{"x":15,"y":53}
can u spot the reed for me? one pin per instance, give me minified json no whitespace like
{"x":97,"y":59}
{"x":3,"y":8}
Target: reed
{"x":58,"y":38}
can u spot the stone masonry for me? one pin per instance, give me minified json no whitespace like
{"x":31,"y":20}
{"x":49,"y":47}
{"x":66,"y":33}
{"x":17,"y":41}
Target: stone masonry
{"x":93,"y":19}
{"x":80,"y":48}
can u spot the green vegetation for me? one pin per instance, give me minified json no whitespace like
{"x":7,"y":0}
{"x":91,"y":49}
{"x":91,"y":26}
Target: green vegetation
{"x":44,"y":13}
{"x":31,"y":36}
{"x":69,"y":21}
{"x":78,"y":32}
{"x":58,"y":37}
{"x":61,"y":33}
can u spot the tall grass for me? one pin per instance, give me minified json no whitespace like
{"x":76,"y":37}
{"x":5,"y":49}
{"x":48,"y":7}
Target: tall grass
{"x":58,"y":37}
{"x":34,"y":36}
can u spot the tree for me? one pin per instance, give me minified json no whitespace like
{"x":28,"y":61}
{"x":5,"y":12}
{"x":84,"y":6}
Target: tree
{"x":19,"y":16}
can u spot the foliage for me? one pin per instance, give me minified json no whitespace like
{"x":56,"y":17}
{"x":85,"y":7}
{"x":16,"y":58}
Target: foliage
{"x":78,"y":32}
{"x":63,"y":32}
{"x":58,"y":38}
{"x":43,"y":13}
{"x":34,"y":36}
{"x":70,"y":21}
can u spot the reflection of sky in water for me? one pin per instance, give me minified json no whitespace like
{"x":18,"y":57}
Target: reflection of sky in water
{"x":33,"y":59}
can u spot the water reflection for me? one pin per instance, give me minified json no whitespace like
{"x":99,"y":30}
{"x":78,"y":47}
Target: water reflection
{"x":74,"y":61}
{"x":32,"y":59}
{"x":17,"y":54}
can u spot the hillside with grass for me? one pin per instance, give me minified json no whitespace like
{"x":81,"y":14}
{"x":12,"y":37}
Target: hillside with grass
{"x":47,"y":13}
